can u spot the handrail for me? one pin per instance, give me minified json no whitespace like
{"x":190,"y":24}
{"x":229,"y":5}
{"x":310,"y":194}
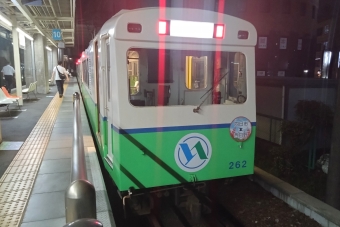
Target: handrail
{"x":80,"y":196}
{"x":78,"y":163}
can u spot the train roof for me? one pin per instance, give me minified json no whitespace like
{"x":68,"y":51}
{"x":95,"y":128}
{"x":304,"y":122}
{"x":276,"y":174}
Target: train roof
{"x":148,"y":18}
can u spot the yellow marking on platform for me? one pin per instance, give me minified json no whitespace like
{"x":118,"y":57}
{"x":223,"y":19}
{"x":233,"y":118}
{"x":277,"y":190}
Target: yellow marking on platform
{"x":18,"y":180}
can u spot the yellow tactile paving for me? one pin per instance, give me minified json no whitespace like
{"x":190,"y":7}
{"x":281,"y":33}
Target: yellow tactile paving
{"x":17,"y":182}
{"x":10,"y":220}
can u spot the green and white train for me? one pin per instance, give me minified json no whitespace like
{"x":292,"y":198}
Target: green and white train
{"x":170,"y":94}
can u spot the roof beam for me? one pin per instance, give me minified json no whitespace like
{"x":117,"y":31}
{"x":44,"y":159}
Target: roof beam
{"x":54,"y":18}
{"x":50,"y":30}
{"x":27,"y":14}
{"x":54,"y":14}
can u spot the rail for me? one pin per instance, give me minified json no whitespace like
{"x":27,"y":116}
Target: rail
{"x":80,"y":196}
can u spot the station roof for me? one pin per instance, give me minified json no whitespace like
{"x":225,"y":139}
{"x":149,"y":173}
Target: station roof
{"x":41,"y":16}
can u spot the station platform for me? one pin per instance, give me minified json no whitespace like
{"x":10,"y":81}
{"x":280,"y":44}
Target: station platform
{"x":37,"y":167}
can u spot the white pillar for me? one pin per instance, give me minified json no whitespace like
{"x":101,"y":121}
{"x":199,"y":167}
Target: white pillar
{"x":33,"y":61}
{"x":17,"y":60}
{"x":54,"y":56}
{"x":29,"y":70}
{"x":41,"y":65}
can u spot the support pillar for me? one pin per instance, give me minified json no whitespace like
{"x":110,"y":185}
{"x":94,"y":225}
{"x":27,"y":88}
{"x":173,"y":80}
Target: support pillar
{"x":49,"y":62}
{"x":41,"y":64}
{"x":28,"y":61}
{"x":17,"y":60}
{"x":61,"y":54}
{"x":54,"y":57}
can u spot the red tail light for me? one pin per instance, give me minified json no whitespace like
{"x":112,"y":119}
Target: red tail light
{"x":163,"y":27}
{"x":219,"y":31}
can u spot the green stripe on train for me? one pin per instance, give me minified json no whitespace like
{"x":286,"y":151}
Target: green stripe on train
{"x":227,"y":159}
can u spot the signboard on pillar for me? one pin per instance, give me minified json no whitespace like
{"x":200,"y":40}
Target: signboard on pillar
{"x":56,"y":34}
{"x":61,"y":45}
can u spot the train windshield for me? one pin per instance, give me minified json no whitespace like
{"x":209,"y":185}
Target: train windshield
{"x":162,"y":77}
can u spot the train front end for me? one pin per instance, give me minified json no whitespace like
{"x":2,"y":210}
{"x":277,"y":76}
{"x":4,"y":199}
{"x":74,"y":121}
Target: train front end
{"x":181,"y":98}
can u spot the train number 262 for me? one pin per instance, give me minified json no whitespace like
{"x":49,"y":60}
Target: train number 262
{"x":237,"y":165}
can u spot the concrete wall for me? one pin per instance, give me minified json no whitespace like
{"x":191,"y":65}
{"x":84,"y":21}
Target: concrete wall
{"x":269,"y":101}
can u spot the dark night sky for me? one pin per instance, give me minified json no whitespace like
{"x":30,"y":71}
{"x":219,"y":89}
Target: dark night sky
{"x":90,"y":16}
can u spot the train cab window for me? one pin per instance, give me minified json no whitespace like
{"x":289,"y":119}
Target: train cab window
{"x":186,"y":77}
{"x":133,"y":71}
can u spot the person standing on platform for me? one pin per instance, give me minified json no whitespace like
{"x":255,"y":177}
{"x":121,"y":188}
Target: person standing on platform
{"x":59,"y":69}
{"x":8,"y":74}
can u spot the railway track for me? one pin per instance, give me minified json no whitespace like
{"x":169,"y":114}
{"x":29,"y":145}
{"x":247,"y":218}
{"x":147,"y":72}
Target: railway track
{"x":200,"y":211}
{"x":170,"y":212}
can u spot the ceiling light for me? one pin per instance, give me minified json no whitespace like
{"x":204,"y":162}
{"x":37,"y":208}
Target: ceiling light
{"x":25,"y":34}
{"x":3,"y":19}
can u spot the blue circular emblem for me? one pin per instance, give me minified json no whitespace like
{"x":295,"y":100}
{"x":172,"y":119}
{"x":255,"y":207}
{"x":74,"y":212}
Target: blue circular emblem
{"x":193,"y":152}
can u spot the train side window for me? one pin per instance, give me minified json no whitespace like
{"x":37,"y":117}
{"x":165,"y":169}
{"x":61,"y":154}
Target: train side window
{"x":238,"y":78}
{"x":85,"y":72}
{"x":133,"y":71}
{"x":108,"y":69}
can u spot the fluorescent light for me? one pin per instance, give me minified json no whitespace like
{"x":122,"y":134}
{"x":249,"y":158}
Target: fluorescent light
{"x":25,"y":34}
{"x":3,"y":19}
{"x":47,"y":48}
{"x":52,"y":42}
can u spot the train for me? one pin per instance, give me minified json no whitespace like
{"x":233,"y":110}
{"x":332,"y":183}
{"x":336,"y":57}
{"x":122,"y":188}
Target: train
{"x":170,"y":96}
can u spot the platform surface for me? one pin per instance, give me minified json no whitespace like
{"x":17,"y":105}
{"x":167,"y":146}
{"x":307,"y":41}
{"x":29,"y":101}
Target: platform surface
{"x":32,"y":188}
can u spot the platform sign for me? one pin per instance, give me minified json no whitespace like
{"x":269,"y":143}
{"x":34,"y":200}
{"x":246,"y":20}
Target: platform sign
{"x":56,"y":34}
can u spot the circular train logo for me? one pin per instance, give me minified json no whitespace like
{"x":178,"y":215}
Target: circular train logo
{"x":240,"y":129}
{"x":193,"y":152}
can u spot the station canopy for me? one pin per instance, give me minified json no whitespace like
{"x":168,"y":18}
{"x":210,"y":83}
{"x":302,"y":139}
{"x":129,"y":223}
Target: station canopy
{"x":41,"y":16}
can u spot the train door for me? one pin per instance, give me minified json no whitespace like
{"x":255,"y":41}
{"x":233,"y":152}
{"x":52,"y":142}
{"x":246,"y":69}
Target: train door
{"x":107,"y":99}
{"x":197,"y":80}
{"x":96,"y":58}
